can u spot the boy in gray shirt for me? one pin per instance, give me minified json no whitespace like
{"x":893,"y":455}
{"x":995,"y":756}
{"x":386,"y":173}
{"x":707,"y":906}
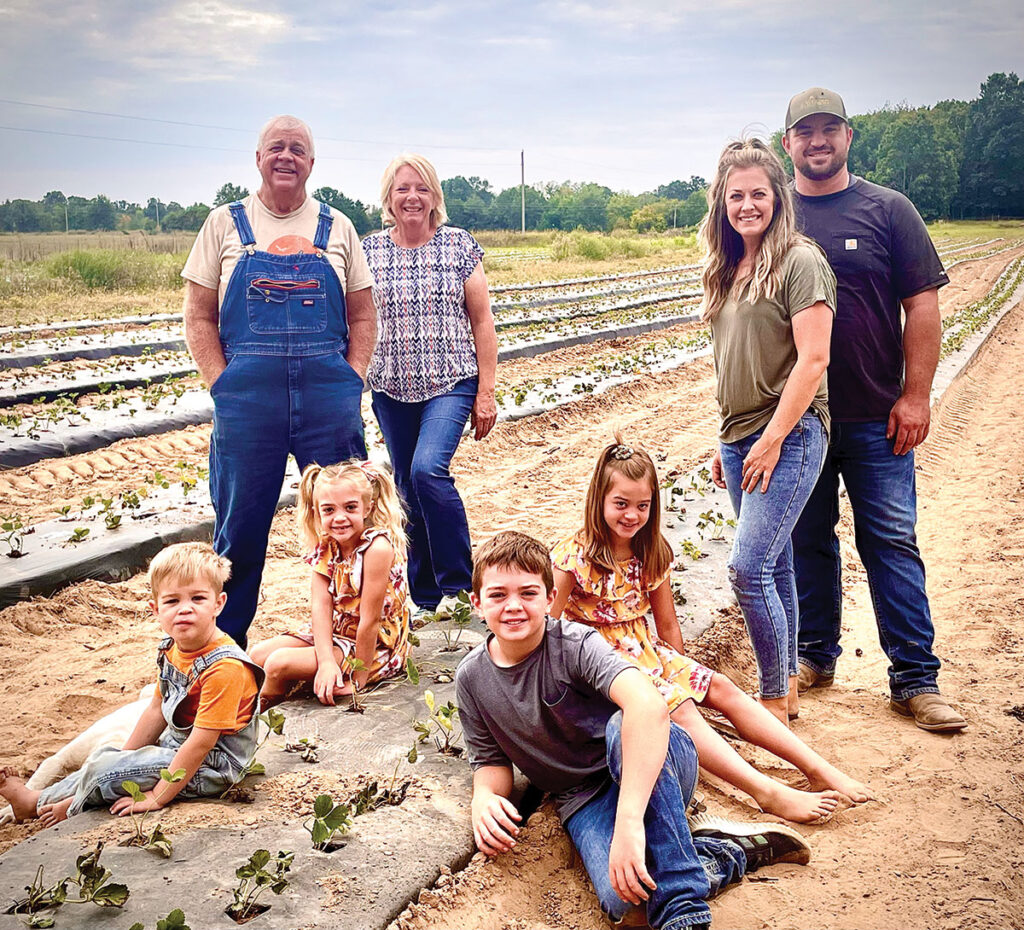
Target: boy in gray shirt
{"x":551,"y":698}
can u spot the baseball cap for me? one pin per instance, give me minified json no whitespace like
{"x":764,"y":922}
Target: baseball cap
{"x":811,"y":101}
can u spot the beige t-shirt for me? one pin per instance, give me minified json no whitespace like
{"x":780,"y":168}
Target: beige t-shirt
{"x":754,"y":348}
{"x":217,"y":247}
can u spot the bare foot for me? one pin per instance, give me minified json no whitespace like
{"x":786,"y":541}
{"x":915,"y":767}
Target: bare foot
{"x":52,"y":814}
{"x":799,"y":806}
{"x":831,"y":777}
{"x":778,"y":707}
{"x":21,"y":798}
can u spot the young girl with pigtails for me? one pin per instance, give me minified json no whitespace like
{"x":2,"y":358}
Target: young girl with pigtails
{"x":615,"y":569}
{"x":351,"y":518}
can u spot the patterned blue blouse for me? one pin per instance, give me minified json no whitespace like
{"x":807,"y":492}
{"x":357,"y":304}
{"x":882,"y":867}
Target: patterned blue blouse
{"x":424,"y":341}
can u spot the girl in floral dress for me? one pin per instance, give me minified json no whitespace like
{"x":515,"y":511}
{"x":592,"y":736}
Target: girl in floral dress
{"x":351,"y":516}
{"x":615,"y":569}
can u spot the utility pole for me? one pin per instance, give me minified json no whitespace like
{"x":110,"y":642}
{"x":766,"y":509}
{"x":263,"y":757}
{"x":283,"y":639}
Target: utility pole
{"x":156,"y":200}
{"x":522,"y":187}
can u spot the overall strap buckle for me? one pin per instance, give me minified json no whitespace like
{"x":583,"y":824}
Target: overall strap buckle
{"x":323,"y":228}
{"x":245,"y":233}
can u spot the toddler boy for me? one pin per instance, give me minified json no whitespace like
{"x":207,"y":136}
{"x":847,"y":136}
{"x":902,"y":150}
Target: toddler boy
{"x":202,"y":717}
{"x":553,"y":699}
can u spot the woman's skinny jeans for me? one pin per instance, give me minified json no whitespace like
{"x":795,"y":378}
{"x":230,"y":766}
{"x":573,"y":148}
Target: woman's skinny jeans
{"x":761,"y":564}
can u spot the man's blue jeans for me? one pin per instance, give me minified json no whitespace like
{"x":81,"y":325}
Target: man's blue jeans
{"x":883,"y":495}
{"x":266,"y":406}
{"x":761,"y":563}
{"x":686,"y":870}
{"x":422,"y":438}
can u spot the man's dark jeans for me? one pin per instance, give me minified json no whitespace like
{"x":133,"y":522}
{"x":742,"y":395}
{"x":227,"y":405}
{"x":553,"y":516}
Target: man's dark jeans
{"x":883,"y":496}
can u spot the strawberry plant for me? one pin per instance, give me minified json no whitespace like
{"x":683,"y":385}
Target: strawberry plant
{"x":273,"y":719}
{"x":173,"y":921}
{"x":440,"y":726}
{"x":155,"y":841}
{"x":352,"y":665}
{"x":456,"y":613}
{"x":12,"y":534}
{"x":258,"y":874}
{"x":329,"y":821}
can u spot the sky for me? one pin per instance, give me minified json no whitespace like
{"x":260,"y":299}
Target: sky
{"x":629,"y":94}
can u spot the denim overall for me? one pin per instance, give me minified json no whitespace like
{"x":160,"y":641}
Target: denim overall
{"x":98,"y":782}
{"x":287,"y":389}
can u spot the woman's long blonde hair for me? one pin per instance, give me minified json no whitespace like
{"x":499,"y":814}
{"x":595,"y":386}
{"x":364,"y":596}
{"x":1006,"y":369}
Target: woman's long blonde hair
{"x":648,"y":545}
{"x":375,"y":485}
{"x":723,"y":246}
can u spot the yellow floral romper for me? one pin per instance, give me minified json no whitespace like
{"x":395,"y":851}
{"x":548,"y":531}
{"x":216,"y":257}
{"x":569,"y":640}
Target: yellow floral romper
{"x":346,"y":575}
{"x":616,"y":606}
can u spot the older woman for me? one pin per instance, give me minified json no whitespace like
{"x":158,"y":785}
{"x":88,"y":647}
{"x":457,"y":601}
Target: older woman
{"x":769,"y":296}
{"x":433,"y":368}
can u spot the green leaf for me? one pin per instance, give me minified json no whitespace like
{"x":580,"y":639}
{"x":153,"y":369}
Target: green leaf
{"x":255,"y":768}
{"x":274,"y":719}
{"x":337,"y":818}
{"x":412,"y":671}
{"x":413,"y":754}
{"x":279,"y":885}
{"x":159,"y":843}
{"x":320,"y":833}
{"x":414,"y":640}
{"x":428,"y":696}
{"x":133,"y":790}
{"x":172,"y":777}
{"x":173,"y":921}
{"x":323,"y":805}
{"x":260,"y":858}
{"x":112,"y":895}
{"x":37,"y":920}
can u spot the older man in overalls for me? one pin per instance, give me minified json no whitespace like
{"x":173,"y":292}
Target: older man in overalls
{"x":279,"y":318}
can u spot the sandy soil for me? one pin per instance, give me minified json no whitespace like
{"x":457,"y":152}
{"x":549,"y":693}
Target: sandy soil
{"x":942,"y":846}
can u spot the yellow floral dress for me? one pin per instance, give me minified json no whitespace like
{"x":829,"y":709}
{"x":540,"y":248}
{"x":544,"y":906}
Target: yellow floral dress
{"x":345,"y":576}
{"x":616,"y":606}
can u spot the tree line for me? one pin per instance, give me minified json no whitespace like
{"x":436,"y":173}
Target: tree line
{"x":956,"y":159}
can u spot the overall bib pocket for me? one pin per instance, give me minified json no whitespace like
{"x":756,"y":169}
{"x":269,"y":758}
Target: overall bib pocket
{"x":282,"y":305}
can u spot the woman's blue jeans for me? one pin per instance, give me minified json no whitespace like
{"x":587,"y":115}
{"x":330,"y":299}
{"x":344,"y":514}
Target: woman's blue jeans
{"x":686,"y":870}
{"x":761,"y":564}
{"x":422,"y":438}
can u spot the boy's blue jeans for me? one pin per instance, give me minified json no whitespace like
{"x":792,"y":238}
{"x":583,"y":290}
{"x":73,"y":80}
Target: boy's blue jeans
{"x":686,"y":870}
{"x":422,"y":438}
{"x":761,"y":564}
{"x":883,"y":495}
{"x":98,"y":782}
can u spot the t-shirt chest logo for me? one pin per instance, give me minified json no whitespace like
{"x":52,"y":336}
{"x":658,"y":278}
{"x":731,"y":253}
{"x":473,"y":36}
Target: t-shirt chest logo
{"x":851,"y":245}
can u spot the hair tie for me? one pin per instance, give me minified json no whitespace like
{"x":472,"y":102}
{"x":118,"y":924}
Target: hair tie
{"x":368,"y":469}
{"x":621,"y":452}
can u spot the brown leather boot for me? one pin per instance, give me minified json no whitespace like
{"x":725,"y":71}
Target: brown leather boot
{"x":930,"y":712}
{"x":808,"y":678}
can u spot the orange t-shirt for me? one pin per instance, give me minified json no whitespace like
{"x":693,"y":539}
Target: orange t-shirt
{"x":223,"y":697}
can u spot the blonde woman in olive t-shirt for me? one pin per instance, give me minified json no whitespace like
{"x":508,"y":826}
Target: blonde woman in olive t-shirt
{"x":769,"y":296}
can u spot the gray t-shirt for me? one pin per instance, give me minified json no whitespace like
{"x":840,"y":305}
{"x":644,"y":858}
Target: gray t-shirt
{"x":546,"y":715}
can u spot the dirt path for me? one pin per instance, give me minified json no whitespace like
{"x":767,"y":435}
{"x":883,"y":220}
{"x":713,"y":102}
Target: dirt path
{"x":941,"y":848}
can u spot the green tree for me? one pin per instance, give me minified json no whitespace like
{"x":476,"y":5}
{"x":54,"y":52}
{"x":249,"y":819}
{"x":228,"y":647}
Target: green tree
{"x":505,"y":211}
{"x":649,"y":218}
{"x":229,"y":193}
{"x":918,"y":161}
{"x":992,"y":171}
{"x":102,"y":213}
{"x":694,"y":208}
{"x":353,"y":209}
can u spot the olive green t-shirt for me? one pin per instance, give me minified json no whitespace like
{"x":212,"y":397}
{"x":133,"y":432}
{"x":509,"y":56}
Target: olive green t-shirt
{"x":754,"y":348}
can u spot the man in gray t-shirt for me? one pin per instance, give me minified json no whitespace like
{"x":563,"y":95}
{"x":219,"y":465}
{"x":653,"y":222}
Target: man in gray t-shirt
{"x":551,"y":698}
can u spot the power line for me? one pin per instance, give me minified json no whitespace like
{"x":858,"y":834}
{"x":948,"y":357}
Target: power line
{"x":249,"y":131}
